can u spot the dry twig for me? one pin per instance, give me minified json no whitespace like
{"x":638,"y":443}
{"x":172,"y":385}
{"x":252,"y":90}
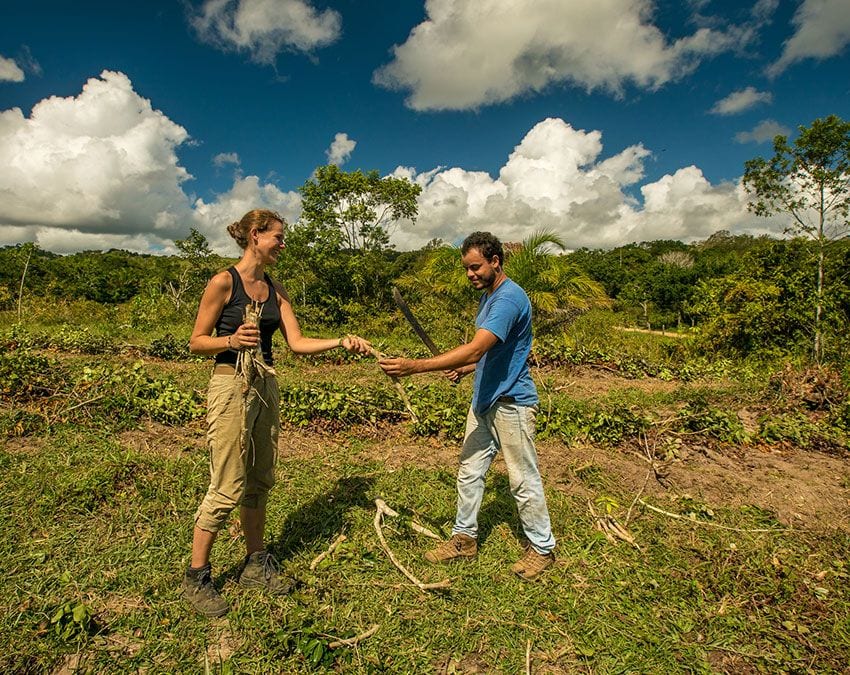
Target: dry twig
{"x":319,"y":558}
{"x":353,"y":642}
{"x":379,"y":513}
{"x":65,"y":411}
{"x":637,"y":496}
{"x":416,"y":527}
{"x":707,"y":524}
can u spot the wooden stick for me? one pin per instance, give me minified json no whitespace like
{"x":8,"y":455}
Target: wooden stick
{"x":65,"y":411}
{"x":707,"y":524}
{"x":637,"y":496}
{"x":319,"y":558}
{"x":528,"y":658}
{"x":379,"y":513}
{"x":398,"y":385}
{"x":421,"y":529}
{"x":353,"y":642}
{"x":612,"y":530}
{"x":620,"y":531}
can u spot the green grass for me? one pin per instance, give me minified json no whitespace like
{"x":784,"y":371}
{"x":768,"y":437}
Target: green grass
{"x":98,"y":524}
{"x":98,"y":536}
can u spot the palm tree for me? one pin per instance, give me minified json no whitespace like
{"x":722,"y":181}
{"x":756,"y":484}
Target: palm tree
{"x":559,"y":290}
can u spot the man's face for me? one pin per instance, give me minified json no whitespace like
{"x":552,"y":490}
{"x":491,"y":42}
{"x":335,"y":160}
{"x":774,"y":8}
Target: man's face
{"x":482,"y":273}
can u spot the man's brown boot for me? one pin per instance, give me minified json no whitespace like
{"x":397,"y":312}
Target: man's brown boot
{"x":459,"y":546}
{"x":532,"y":564}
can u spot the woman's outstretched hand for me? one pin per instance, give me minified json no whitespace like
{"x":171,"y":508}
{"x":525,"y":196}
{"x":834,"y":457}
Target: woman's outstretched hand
{"x":356,"y":344}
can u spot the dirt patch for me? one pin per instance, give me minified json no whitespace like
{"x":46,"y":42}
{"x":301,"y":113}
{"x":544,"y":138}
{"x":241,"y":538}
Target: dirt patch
{"x":801,"y":488}
{"x":804,"y":489}
{"x":593,"y":381}
{"x":22,"y":445}
{"x":222,"y":643}
{"x":159,"y":439}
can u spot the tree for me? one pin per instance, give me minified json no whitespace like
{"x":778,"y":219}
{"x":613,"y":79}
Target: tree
{"x":557,"y":288}
{"x":809,"y":181}
{"x":196,"y":263}
{"x":763,"y":306}
{"x":26,"y":249}
{"x":363,"y":207}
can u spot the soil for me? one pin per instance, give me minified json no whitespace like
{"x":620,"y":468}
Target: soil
{"x":802,"y":487}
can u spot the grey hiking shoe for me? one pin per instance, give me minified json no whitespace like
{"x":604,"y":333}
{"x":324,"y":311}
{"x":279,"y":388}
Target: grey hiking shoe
{"x":200,"y":594}
{"x":261,"y":571}
{"x":459,"y":546}
{"x":532,"y":564}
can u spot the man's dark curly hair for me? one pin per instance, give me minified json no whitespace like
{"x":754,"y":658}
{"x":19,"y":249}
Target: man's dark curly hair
{"x":487,"y":245}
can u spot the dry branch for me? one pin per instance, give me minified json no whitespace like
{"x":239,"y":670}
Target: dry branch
{"x":379,"y":513}
{"x":319,"y":558}
{"x":65,"y":411}
{"x":637,"y":496}
{"x":611,"y":528}
{"x":353,"y":642}
{"x":707,"y":524}
{"x":416,"y":527}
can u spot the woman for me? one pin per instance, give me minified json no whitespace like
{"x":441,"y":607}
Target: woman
{"x":242,"y":403}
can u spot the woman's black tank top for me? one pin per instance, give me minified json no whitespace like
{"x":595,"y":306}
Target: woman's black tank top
{"x":234,"y":311}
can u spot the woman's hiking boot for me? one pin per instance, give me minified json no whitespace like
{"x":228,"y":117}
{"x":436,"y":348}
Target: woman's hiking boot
{"x":261,"y":571}
{"x":532,"y":564}
{"x":200,"y":594}
{"x":459,"y":546}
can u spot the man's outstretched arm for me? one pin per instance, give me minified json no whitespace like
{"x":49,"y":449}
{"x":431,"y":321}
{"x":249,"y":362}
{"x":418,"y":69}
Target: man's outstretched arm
{"x":458,"y":358}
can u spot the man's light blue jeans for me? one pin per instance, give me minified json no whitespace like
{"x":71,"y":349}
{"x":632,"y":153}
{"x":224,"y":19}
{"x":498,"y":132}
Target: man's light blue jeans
{"x":510,"y":428}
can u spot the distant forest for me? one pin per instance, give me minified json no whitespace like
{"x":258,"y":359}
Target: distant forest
{"x":740,"y":293}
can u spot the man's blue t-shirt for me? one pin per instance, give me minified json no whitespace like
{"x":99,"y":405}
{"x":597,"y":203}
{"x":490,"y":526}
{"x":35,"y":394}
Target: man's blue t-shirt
{"x":503,"y":370}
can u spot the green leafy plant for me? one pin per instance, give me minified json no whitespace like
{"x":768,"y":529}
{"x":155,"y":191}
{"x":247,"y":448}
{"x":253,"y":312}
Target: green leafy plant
{"x":72,"y":619}
{"x":25,"y":374}
{"x":699,"y":417}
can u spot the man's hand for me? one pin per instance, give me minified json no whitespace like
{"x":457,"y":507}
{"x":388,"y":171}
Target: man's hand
{"x":398,"y":367}
{"x":453,"y":375}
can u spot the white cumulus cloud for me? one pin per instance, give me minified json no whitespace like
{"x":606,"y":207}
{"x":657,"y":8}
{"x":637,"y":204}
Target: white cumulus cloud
{"x":469,"y":54}
{"x":340,"y":149}
{"x":103,"y":161}
{"x":225,"y":158}
{"x":10,"y":71}
{"x":557,"y":178}
{"x":741,"y":100}
{"x":764,"y":131}
{"x":212,"y":219}
{"x":264,"y":28}
{"x":100,"y":170}
{"x":822,"y":30}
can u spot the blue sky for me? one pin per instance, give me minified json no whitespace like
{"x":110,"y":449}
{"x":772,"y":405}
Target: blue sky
{"x":609,"y":121}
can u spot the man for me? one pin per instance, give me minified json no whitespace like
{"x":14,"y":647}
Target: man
{"x":504,"y":404}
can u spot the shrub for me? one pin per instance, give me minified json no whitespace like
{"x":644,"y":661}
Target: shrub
{"x":25,"y":374}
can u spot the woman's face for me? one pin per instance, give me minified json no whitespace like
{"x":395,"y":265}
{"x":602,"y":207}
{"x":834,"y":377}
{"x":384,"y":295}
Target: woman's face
{"x":270,"y":242}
